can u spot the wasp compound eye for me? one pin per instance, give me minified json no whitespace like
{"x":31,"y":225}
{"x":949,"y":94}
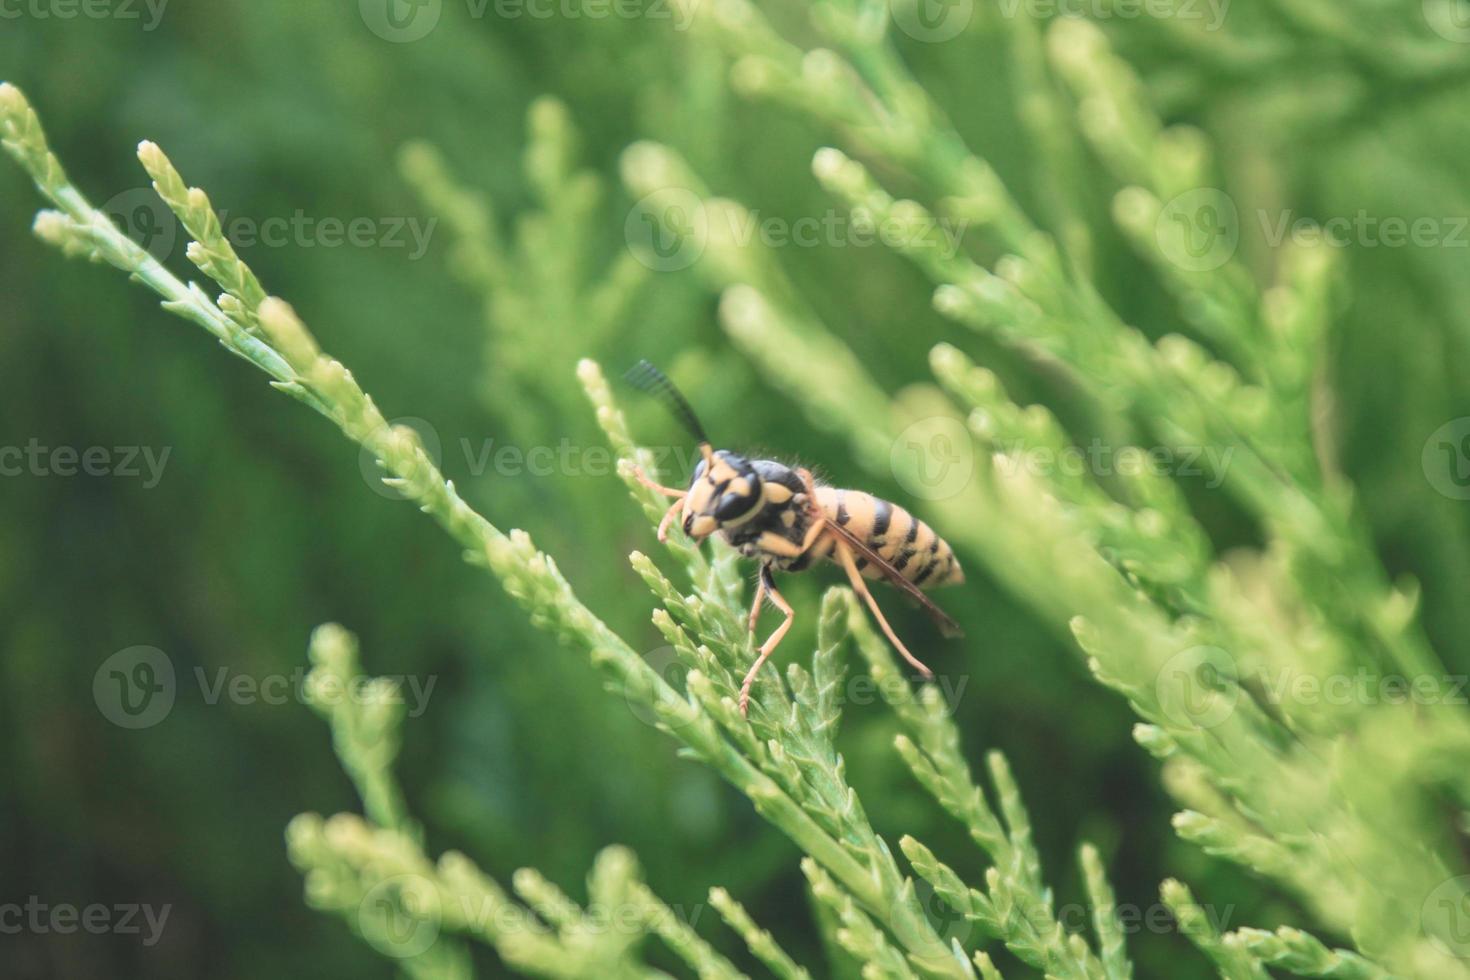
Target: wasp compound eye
{"x":732,"y":505}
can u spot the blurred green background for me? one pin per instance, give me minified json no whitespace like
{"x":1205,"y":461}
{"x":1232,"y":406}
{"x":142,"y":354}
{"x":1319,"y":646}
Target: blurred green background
{"x":264,"y":523}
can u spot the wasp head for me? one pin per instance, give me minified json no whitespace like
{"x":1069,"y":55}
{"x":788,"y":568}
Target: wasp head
{"x":724,"y":492}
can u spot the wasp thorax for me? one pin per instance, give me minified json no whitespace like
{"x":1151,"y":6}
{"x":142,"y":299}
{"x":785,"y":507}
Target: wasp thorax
{"x":725,"y":491}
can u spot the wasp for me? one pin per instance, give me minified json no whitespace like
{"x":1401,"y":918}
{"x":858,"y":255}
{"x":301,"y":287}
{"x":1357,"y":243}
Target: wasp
{"x":783,"y":518}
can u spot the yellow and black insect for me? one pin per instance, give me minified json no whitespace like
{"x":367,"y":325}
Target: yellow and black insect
{"x":784,"y":519}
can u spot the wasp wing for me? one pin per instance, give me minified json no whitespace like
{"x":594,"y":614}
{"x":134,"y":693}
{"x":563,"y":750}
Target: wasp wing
{"x":947,"y":626}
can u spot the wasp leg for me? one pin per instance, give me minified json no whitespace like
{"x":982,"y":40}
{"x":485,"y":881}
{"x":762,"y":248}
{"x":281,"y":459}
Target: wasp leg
{"x":774,"y":544}
{"x":663,"y":525}
{"x":657,"y":487}
{"x":844,"y":554}
{"x":760,"y":595}
{"x":678,"y":495}
{"x":771,"y":641}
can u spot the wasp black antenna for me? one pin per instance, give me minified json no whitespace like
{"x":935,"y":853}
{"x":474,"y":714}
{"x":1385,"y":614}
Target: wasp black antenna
{"x":645,"y":377}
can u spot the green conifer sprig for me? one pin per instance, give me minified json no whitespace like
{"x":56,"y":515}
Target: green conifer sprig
{"x":548,"y":284}
{"x":798,"y":783}
{"x":374,"y":874}
{"x":760,"y":942}
{"x":1320,"y":800}
{"x":1277,"y":618}
{"x":1306,"y":956}
{"x":1233,"y":960}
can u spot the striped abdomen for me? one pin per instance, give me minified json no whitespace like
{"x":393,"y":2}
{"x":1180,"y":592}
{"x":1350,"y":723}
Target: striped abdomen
{"x":900,"y":538}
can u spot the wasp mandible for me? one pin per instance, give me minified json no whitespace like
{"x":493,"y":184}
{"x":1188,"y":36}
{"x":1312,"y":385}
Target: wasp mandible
{"x":780,"y":516}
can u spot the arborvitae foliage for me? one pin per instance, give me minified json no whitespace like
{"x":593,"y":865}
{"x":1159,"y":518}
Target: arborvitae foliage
{"x":1339,"y":802}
